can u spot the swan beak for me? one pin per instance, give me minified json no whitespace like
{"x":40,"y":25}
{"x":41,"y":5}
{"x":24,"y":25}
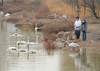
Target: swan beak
{"x":38,"y":36}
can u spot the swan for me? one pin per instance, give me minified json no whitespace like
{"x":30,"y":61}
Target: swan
{"x":32,"y":43}
{"x":23,"y":42}
{"x":11,"y":48}
{"x":36,"y":28}
{"x":21,"y":50}
{"x":30,"y":51}
{"x":16,"y":33}
{"x":73,"y":44}
{"x":7,"y":15}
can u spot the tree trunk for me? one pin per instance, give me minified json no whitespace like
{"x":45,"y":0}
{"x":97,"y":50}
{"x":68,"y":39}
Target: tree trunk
{"x":95,"y":15}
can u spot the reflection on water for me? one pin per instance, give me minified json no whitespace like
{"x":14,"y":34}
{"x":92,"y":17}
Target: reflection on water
{"x":43,"y":60}
{"x":76,"y":62}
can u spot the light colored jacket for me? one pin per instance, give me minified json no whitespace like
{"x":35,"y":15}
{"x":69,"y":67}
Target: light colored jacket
{"x":77,"y":24}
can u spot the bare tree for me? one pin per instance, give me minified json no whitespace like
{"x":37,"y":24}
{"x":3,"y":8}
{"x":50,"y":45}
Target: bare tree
{"x":75,"y":3}
{"x":91,"y":4}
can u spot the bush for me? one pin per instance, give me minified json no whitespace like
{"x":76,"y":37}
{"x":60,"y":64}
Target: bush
{"x":49,"y":41}
{"x":55,"y":28}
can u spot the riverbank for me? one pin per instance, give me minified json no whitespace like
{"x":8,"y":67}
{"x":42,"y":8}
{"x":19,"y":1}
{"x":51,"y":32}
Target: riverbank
{"x":51,"y":25}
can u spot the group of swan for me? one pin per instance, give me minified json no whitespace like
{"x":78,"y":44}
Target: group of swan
{"x":25,"y":43}
{"x":23,"y":50}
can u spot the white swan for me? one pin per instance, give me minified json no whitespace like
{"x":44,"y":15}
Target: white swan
{"x":32,"y":43}
{"x":16,"y":33}
{"x":21,"y":50}
{"x":23,"y":42}
{"x":36,"y":28}
{"x":11,"y":48}
{"x":31,"y":52}
{"x":7,"y":15}
{"x":73,"y":44}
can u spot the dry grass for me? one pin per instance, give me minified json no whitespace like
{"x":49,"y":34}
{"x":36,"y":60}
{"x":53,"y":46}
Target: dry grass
{"x":32,"y":25}
{"x":41,"y":12}
{"x":61,"y":8}
{"x":13,"y":6}
{"x":55,"y":28}
{"x":13,"y":20}
{"x":52,"y":6}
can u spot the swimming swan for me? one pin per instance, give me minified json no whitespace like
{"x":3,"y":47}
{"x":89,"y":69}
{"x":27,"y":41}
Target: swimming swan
{"x":11,"y":48}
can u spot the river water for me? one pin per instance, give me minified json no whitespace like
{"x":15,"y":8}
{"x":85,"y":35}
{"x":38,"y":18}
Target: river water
{"x":43,"y":60}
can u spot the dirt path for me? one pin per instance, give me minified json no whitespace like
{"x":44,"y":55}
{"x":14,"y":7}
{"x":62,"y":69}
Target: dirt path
{"x":93,"y":36}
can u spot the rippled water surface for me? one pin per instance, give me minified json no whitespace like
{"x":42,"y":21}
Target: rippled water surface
{"x":43,"y":60}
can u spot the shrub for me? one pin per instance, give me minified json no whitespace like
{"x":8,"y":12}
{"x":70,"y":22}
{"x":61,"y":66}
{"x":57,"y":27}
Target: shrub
{"x":49,"y":41}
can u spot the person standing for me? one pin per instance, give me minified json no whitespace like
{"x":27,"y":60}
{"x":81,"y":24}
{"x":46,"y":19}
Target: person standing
{"x":84,"y":29}
{"x":77,"y":26}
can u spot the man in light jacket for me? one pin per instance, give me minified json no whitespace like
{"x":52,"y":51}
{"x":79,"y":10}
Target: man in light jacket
{"x":77,"y":26}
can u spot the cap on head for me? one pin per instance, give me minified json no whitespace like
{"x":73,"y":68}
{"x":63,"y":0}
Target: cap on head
{"x":77,"y":17}
{"x":84,"y":20}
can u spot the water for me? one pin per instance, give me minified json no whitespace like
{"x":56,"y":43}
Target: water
{"x":43,"y":60}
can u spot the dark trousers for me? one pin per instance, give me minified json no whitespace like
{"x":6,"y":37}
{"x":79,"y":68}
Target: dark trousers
{"x":84,"y":35}
{"x":77,"y":32}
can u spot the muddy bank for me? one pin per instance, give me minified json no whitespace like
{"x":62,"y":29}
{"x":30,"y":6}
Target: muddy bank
{"x":93,"y":39}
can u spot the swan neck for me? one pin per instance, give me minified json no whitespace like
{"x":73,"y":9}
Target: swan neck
{"x":36,"y":39}
{"x":28,"y":39}
{"x":16,"y":30}
{"x":9,"y":43}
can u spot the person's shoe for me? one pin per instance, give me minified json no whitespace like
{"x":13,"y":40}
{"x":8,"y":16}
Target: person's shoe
{"x":77,"y":39}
